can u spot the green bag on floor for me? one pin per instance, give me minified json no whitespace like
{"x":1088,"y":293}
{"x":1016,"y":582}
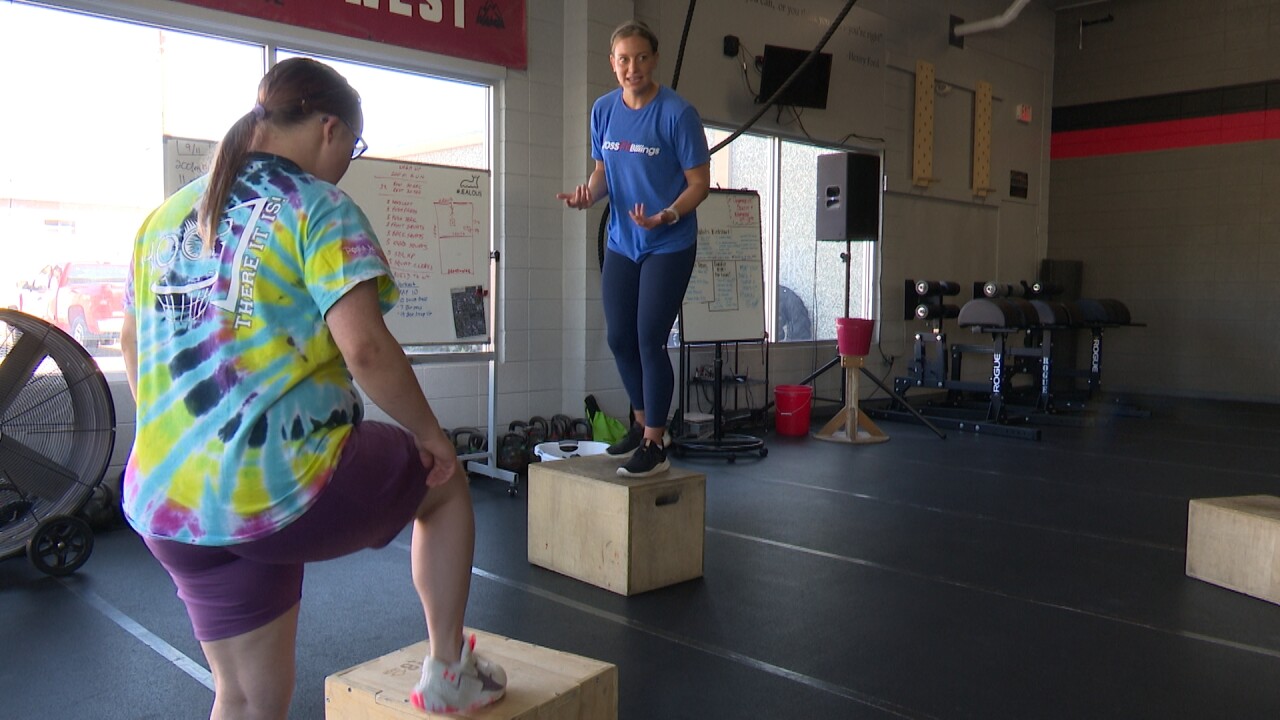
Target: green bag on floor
{"x":604,"y":429}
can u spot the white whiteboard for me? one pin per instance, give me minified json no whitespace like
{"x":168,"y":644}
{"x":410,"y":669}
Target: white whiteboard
{"x":725,"y":298}
{"x":185,"y":159}
{"x":433,"y":224}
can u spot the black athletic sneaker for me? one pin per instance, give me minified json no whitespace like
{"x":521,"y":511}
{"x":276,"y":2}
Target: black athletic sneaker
{"x":649,"y":459}
{"x":629,"y":442}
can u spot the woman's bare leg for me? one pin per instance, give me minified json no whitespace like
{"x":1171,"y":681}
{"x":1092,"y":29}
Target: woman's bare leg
{"x":444,"y":534}
{"x":253,"y":673}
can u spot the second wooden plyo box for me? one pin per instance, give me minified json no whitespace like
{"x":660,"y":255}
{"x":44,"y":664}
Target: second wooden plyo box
{"x":1234,"y":542}
{"x":622,"y":534}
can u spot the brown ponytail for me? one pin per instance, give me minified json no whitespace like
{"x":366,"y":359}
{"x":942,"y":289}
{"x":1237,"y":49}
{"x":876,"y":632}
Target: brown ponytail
{"x":291,"y":92}
{"x":226,"y":164}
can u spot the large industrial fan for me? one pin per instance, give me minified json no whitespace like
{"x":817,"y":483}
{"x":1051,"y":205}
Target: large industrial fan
{"x":57,"y":429}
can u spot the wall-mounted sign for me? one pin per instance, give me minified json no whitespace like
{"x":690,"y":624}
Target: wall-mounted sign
{"x":492,"y":31}
{"x":1018,"y":184}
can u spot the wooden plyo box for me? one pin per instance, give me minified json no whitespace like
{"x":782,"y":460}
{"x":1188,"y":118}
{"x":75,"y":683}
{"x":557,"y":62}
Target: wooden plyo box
{"x":542,"y":684}
{"x":1233,"y":542}
{"x":627,"y":535}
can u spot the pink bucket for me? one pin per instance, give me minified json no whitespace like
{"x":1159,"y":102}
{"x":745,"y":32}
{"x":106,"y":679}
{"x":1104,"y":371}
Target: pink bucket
{"x":853,"y":335}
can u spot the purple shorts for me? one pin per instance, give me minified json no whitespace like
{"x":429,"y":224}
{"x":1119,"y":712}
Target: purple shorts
{"x":374,"y":493}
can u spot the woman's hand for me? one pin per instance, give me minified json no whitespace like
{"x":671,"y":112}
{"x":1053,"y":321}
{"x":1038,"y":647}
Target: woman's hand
{"x":437,"y":453}
{"x":579,"y":199}
{"x":648,"y":222}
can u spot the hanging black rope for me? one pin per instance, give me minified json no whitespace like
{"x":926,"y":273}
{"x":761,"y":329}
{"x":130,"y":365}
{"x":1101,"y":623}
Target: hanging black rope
{"x":684,"y":38}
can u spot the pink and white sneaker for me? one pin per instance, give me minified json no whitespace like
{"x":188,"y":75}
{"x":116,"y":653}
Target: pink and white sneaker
{"x":467,"y":686}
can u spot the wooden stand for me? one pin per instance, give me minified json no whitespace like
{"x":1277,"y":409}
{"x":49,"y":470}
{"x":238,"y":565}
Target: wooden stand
{"x":851,"y":425}
{"x":542,"y":684}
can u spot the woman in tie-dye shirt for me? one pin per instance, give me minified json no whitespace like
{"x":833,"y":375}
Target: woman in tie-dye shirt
{"x":256,"y":293}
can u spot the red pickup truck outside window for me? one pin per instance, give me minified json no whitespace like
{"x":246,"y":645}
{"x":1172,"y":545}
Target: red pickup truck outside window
{"x":85,"y":299}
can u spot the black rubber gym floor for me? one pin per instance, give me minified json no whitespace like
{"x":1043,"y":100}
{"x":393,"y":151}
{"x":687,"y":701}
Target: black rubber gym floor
{"x":972,"y":577}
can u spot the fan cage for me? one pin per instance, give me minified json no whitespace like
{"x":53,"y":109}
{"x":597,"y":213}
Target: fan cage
{"x":57,"y":426}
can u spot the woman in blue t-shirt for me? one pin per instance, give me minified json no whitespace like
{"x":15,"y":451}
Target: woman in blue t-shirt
{"x":650,"y":153}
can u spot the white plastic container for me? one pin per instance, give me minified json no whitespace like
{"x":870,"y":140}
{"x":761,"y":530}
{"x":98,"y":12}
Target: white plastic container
{"x":564,"y":449}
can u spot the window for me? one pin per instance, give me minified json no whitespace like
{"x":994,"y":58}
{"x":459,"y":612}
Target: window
{"x":806,"y":277}
{"x":418,"y":118}
{"x":83,"y":168}
{"x":85,"y":159}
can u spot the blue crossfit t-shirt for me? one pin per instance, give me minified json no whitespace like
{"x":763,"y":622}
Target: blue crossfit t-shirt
{"x":645,"y":154}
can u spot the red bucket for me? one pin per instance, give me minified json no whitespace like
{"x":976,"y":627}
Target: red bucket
{"x":853,"y":335}
{"x":793,"y":401}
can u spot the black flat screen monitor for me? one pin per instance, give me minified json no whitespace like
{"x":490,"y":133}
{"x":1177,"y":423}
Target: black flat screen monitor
{"x":809,"y":90}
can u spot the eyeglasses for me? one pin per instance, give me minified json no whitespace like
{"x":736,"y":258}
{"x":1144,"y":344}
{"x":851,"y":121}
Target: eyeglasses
{"x":361,"y":147}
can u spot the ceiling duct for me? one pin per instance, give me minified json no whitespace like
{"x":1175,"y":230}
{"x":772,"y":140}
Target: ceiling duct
{"x":994,"y":23}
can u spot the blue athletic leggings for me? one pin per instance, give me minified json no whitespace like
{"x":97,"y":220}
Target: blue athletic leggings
{"x":641,"y":301}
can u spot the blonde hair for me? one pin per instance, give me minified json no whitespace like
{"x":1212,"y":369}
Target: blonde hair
{"x":291,"y":92}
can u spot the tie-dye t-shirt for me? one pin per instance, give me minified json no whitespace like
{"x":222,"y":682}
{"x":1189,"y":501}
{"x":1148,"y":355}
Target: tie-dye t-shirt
{"x":244,"y":401}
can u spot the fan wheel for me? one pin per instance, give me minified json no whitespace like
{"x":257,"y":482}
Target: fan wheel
{"x":60,"y":545}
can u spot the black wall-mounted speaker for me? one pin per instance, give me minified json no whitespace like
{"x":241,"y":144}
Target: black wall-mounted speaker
{"x":848,"y":197}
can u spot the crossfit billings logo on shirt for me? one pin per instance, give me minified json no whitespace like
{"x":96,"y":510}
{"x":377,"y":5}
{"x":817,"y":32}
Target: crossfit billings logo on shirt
{"x":629,"y":147}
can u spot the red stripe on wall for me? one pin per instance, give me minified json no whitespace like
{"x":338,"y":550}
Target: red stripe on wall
{"x":1167,"y":135}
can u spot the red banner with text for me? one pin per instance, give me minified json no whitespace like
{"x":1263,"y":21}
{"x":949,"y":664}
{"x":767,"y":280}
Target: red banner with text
{"x":491,"y":31}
